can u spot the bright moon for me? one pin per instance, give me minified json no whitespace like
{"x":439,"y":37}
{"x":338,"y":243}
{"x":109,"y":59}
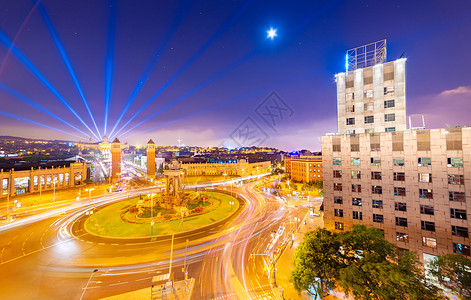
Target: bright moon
{"x":271,"y":33}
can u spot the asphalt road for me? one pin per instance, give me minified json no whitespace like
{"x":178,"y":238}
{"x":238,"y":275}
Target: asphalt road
{"x":53,"y":257}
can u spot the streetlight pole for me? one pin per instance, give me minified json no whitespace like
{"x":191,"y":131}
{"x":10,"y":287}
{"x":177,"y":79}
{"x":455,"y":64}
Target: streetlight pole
{"x":151,"y":213}
{"x":94,"y":271}
{"x":8,"y":205}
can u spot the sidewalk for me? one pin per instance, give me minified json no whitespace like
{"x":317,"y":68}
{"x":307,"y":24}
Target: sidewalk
{"x":285,"y":263}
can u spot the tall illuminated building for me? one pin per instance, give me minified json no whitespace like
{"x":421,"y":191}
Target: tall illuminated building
{"x":371,"y":94}
{"x":150,"y":159}
{"x":413,"y":184}
{"x":115,"y":159}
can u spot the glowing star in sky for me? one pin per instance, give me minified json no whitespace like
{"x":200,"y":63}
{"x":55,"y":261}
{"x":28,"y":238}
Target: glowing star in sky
{"x":271,"y":33}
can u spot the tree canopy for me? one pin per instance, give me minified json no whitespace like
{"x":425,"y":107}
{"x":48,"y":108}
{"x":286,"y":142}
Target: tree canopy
{"x":362,"y":262}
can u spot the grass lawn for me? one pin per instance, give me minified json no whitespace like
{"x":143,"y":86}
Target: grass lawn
{"x":107,"y":221}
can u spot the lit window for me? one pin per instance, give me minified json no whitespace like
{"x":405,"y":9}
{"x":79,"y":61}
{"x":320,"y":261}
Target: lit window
{"x":355,"y":161}
{"x":375,"y":161}
{"x":356,"y":201}
{"x":398,"y":162}
{"x":455,"y":162}
{"x":425,"y":177}
{"x":356,"y":175}
{"x":338,"y":225}
{"x":402,"y":237}
{"x":368,"y":94}
{"x":461,"y":249}
{"x":378,"y":204}
{"x":424,"y":161}
{"x":337,"y":161}
{"x":429,"y":242}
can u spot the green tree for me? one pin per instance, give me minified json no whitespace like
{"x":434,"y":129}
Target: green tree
{"x":316,"y":263}
{"x":377,"y":278}
{"x":453,"y":271}
{"x":363,"y":263}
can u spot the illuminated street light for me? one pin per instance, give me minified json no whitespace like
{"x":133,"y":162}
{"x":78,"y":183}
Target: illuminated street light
{"x":151,"y":213}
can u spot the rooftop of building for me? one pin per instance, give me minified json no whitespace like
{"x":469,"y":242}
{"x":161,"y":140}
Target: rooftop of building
{"x":24,"y":165}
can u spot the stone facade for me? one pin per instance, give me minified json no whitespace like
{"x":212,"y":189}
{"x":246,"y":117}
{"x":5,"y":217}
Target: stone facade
{"x":15,"y":182}
{"x":150,"y":160}
{"x":115,"y":159}
{"x":240,"y":167}
{"x":414,"y":185}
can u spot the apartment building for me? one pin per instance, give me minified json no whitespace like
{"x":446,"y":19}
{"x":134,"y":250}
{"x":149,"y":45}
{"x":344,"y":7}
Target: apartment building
{"x":413,"y":185}
{"x":306,"y":168}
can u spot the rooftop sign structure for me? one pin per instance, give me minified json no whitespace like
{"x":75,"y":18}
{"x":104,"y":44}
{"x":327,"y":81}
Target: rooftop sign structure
{"x":366,"y":55}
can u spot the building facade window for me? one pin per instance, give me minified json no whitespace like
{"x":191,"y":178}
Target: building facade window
{"x":356,"y":175}
{"x":368,"y":94}
{"x":377,"y":189}
{"x":459,"y":231}
{"x":338,"y":212}
{"x":389,"y":117}
{"x":399,"y":176}
{"x":427,"y":225}
{"x":339,"y":225}
{"x":355,"y":147}
{"x":455,"y":179}
{"x":457,"y":213}
{"x":337,"y":186}
{"x":350,"y":121}
{"x":390,"y":129}
{"x":355,"y":161}
{"x":337,"y":161}
{"x":401,"y":222}
{"x":398,"y":162}
{"x":425,"y":177}
{"x":368,"y":106}
{"x":429,"y":242}
{"x":338,"y":200}
{"x":399,"y":191}
{"x":378,"y":204}
{"x":426,"y":193}
{"x":378,"y":218}
{"x":337,"y":174}
{"x":356,"y":188}
{"x":424,"y":162}
{"x":350,"y":108}
{"x":356,"y":201}
{"x":455,"y":162}
{"x":376,"y":175}
{"x":357,"y":215}
{"x":336,"y":148}
{"x":375,"y":161}
{"x":349,"y":96}
{"x":427,"y":209}
{"x":402,"y":237}
{"x":375,"y":147}
{"x":369,"y":119}
{"x":389,"y":104}
{"x":456,"y":196}
{"x":461,"y":249}
{"x":400,"y":206}
{"x":388,"y":90}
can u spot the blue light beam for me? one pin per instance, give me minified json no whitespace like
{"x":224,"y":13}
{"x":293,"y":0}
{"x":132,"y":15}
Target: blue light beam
{"x":109,"y":60}
{"x":37,"y":123}
{"x":65,"y":58}
{"x":152,"y":64}
{"x":221,"y":30}
{"x":32,"y":103}
{"x":202,"y":85}
{"x":30,"y":66}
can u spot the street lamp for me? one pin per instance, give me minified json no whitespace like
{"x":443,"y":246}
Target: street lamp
{"x":231,"y":202}
{"x":83,"y":293}
{"x":89,"y":197}
{"x":151,"y":213}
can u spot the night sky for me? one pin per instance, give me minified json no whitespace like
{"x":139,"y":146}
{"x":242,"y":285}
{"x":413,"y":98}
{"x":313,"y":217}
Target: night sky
{"x":203,"y":70}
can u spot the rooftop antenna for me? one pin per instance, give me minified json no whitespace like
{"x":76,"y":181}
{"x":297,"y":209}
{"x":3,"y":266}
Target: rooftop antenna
{"x":402,"y":55}
{"x":179,"y":142}
{"x":366,"y":56}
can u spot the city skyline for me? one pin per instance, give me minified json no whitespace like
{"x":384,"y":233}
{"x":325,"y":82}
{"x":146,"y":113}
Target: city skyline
{"x":205,"y":69}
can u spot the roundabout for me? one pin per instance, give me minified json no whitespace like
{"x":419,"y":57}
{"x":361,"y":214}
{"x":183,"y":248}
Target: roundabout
{"x":138,"y":217}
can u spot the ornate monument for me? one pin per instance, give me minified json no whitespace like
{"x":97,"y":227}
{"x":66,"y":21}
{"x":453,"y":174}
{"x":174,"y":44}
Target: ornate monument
{"x":173,"y":192}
